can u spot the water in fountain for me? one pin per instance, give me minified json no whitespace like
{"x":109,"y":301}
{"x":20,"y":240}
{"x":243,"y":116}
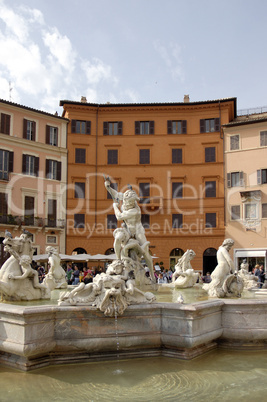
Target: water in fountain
{"x":118,"y":371}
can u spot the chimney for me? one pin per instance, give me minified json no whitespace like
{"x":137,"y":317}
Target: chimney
{"x":186,"y":99}
{"x":83,"y":99}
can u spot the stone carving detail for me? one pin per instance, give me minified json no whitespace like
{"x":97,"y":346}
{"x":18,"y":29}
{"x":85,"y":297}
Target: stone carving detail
{"x":129,"y":239}
{"x":225,"y":282}
{"x":56,"y":277}
{"x":110,"y":292}
{"x":184,"y":275}
{"x":250,"y":280}
{"x":18,"y":281}
{"x":113,"y":291}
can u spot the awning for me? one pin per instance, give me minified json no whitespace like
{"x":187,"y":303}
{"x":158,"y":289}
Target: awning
{"x":250,"y":253}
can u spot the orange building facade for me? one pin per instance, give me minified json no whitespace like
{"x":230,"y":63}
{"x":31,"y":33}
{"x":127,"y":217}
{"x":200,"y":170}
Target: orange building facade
{"x":171,"y":154}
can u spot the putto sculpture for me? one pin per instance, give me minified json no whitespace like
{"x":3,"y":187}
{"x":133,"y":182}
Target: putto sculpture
{"x":56,"y":276}
{"x":184,"y":275}
{"x":18,"y":281}
{"x":225,"y":281}
{"x":250,"y":280}
{"x":112,"y":291}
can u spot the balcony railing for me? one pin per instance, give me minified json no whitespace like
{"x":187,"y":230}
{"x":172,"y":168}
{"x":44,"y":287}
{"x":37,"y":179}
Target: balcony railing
{"x":30,"y":220}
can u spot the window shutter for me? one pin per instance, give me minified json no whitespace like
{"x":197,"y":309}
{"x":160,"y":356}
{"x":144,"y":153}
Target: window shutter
{"x":184,"y":126}
{"x":259,"y":176}
{"x":47,"y":136}
{"x":33,"y":131}
{"x":120,"y":128}
{"x":137,"y":127}
{"x":229,"y":180}
{"x":36,"y":166}
{"x":59,"y":171}
{"x":202,"y":125}
{"x":73,"y":126}
{"x":24,"y":128}
{"x":241,"y":179}
{"x":88,"y":127}
{"x":169,"y":126}
{"x":5,"y":123}
{"x":10,"y":161}
{"x":24,"y":158}
{"x":2,"y":123}
{"x":47,"y":168}
{"x":217,"y":124}
{"x":151,"y":127}
{"x":105,"y":128}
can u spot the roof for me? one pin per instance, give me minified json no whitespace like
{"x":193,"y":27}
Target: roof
{"x":32,"y":109}
{"x":186,"y":104}
{"x":249,"y":119}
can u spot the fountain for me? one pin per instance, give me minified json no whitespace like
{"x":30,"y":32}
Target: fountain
{"x":114,"y":315}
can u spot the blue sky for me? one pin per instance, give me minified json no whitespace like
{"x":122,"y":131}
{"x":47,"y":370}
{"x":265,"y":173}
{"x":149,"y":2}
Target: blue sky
{"x":125,"y":51}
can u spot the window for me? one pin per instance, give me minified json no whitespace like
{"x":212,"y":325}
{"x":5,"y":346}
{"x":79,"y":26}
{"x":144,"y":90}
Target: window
{"x":262,"y":176}
{"x":6,"y":164}
{"x":53,"y":169}
{"x":29,"y":210}
{"x":235,"y":212}
{"x":177,"y":155}
{"x":210,"y":189}
{"x":80,"y":154}
{"x":177,"y":221}
{"x":52,"y":135}
{"x":80,"y":127}
{"x":177,"y":190}
{"x":5,"y":123}
{"x":234,"y":142}
{"x":211,"y":220}
{"x":112,"y":128}
{"x":29,"y":129}
{"x":263,"y":138}
{"x":264,"y":210}
{"x":115,"y":187}
{"x":3,"y":207}
{"x":209,"y":125}
{"x":79,"y":221}
{"x":144,"y":127}
{"x":235,"y":179}
{"x":52,"y":213}
{"x":144,"y":193}
{"x":176,"y":126}
{"x":145,"y":220}
{"x":30,"y":165}
{"x":79,"y":191}
{"x":210,"y":154}
{"x":111,"y":222}
{"x":144,"y":156}
{"x":112,"y":156}
{"x":251,"y":211}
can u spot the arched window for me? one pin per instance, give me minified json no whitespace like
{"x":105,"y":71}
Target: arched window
{"x":79,"y":250}
{"x":175,"y":254}
{"x":209,"y":260}
{"x":109,"y":251}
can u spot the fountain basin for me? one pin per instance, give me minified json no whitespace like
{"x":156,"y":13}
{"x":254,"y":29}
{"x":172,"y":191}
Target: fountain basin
{"x":37,"y":336}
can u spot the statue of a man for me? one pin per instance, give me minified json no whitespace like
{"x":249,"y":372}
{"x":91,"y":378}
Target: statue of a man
{"x":132,"y":228}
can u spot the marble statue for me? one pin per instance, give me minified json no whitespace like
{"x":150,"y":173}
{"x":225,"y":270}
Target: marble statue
{"x":184,"y":275}
{"x":111,"y":292}
{"x":250,"y":280}
{"x":225,"y":282}
{"x":129,"y":239}
{"x":56,"y":276}
{"x":18,"y":281}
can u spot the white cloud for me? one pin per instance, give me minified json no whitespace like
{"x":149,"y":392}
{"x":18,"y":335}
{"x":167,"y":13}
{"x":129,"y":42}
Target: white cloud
{"x":171,"y":55}
{"x":97,"y":71}
{"x":60,"y":48}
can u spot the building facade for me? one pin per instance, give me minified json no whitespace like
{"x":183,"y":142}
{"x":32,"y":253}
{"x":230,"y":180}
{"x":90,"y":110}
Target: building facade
{"x":171,"y":154}
{"x":246,"y":187}
{"x":33,"y":175}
